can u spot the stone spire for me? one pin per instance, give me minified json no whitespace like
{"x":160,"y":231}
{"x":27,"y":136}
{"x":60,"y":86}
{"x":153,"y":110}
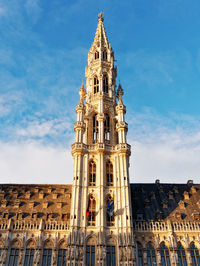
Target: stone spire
{"x":100,"y":38}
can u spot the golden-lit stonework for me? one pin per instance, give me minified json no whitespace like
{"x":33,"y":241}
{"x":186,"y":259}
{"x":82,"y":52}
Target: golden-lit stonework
{"x":101,"y":219}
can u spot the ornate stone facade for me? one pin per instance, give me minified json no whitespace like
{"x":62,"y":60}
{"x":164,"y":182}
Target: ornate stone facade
{"x":101,"y":219}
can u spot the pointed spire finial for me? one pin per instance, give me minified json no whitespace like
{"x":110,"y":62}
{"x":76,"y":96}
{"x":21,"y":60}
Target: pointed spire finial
{"x":82,"y":93}
{"x":120,"y":93}
{"x":100,"y":16}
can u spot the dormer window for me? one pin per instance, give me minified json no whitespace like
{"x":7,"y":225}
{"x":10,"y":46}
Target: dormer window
{"x":104,"y":54}
{"x":96,"y":55}
{"x":105,"y":83}
{"x":96,"y":85}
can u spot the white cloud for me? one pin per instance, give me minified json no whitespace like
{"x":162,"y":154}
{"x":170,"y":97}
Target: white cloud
{"x":42,"y":128}
{"x":165,"y":148}
{"x":35,"y":163}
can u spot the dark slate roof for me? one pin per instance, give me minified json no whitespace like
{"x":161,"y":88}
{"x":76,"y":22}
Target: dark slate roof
{"x":166,"y":201}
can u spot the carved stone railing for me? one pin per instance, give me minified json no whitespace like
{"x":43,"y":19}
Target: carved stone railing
{"x":97,"y":146}
{"x":57,"y":226}
{"x":186,"y":226}
{"x":35,"y":225}
{"x":26,"y":225}
{"x":4,"y":224}
{"x":150,"y":226}
{"x":166,"y":226}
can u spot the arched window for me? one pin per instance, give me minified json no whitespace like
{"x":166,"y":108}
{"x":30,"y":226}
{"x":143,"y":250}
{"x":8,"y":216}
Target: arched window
{"x":107,"y":127}
{"x":181,"y":255}
{"x":14,"y":253}
{"x":194,"y":255}
{"x":104,"y":55}
{"x":110,"y":218}
{"x":109,"y":174}
{"x":164,"y":252}
{"x":105,"y":83}
{"x":47,"y":254}
{"x":92,"y":173}
{"x":91,"y":211}
{"x":90,"y":252}
{"x":29,"y":253}
{"x":151,"y":255}
{"x":95,"y":129}
{"x":140,"y":254}
{"x":110,"y":253}
{"x":62,"y":255}
{"x":96,"y":55}
{"x":96,"y":85}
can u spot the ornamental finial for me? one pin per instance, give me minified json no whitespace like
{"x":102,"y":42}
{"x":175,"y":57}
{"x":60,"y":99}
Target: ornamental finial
{"x":120,"y":93}
{"x":100,"y":16}
{"x":82,"y":93}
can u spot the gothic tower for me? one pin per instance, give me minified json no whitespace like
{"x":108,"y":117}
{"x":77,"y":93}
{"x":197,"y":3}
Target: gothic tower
{"x":101,"y":222}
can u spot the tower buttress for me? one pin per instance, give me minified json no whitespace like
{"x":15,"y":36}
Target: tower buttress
{"x":101,"y":203}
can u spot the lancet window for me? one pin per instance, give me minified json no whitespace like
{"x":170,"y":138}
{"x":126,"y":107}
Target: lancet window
{"x":164,"y":252}
{"x":110,"y":255}
{"x":104,"y":55}
{"x":140,"y":254}
{"x":107,"y":127}
{"x":194,"y":255}
{"x":96,"y":55}
{"x":181,"y":255}
{"x":61,"y":257}
{"x":91,"y":211}
{"x":47,"y":254}
{"x":105,"y":83}
{"x":92,"y":173}
{"x":29,"y":254}
{"x":14,"y":256}
{"x":109,"y":174}
{"x":96,"y":85}
{"x":151,"y":255}
{"x":14,"y":253}
{"x":95,"y":129}
{"x":90,"y":252}
{"x":110,"y":218}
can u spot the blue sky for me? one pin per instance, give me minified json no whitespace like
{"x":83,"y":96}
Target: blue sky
{"x":43,"y":54}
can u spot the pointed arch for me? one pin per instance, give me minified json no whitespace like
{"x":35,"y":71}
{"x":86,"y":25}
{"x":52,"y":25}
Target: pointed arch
{"x":111,"y":251}
{"x":104,"y":55}
{"x":96,"y":84}
{"x":105,"y":83}
{"x":109,"y":173}
{"x":151,"y":254}
{"x":107,"y":127}
{"x":139,"y":254}
{"x":47,"y":252}
{"x":110,"y":217}
{"x":91,"y":211}
{"x":90,"y":251}
{"x":92,"y":173}
{"x":181,"y":255}
{"x":14,"y":252}
{"x":164,"y":252}
{"x":96,"y":55}
{"x":195,"y":254}
{"x":95,"y":128}
{"x":62,"y":252}
{"x":29,"y":252}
